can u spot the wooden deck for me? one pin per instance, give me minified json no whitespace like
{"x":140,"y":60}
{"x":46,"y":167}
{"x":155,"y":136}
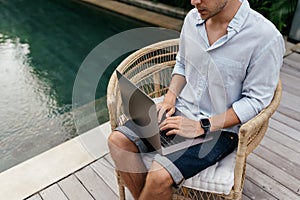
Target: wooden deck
{"x":272,"y":170}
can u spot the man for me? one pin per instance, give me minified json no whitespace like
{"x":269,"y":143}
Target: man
{"x":246,"y":52}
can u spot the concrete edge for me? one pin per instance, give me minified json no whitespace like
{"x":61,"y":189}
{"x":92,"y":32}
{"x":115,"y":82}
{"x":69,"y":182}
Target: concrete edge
{"x":161,"y":8}
{"x":138,"y":13}
{"x":37,"y":173}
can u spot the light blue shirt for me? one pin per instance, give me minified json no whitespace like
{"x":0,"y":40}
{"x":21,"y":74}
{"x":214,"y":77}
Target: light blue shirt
{"x":240,"y":70}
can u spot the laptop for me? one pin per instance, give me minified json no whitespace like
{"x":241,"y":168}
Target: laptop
{"x":141,"y":110}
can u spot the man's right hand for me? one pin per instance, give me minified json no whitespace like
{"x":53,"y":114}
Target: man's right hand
{"x":168,"y":104}
{"x":164,"y":108}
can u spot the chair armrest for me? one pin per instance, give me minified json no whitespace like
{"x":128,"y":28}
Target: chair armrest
{"x":250,"y":135}
{"x":111,"y":100}
{"x":252,"y":132}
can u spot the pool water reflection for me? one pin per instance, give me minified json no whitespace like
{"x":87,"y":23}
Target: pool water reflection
{"x":29,"y":118}
{"x":42,"y":44}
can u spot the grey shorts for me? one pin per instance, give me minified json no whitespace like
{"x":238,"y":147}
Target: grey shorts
{"x":186,"y":163}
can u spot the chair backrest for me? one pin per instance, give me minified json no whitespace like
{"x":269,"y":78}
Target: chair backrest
{"x":149,"y":68}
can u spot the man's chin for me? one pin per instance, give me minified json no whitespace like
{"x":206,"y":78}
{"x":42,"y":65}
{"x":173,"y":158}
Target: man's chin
{"x":203,"y":14}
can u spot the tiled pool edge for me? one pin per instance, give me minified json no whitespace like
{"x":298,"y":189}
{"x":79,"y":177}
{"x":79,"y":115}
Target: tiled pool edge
{"x":27,"y":178}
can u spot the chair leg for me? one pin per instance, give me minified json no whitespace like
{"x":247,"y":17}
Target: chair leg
{"x":237,"y":196}
{"x":121,"y":187}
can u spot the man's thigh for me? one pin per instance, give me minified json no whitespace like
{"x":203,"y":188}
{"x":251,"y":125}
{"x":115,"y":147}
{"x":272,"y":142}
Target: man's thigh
{"x":197,"y":158}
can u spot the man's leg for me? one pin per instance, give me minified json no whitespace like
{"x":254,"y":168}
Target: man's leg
{"x":128,"y":162}
{"x":158,"y":184}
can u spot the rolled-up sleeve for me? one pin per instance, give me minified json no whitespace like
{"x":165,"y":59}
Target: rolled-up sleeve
{"x":179,"y":67}
{"x":261,"y":80}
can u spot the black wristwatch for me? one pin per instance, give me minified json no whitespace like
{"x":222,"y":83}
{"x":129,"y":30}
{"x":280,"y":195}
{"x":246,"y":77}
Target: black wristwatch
{"x":205,"y":124}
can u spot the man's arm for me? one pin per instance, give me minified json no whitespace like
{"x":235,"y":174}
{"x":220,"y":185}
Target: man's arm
{"x":190,"y":128}
{"x":168,"y":104}
{"x":181,"y":125}
{"x":224,"y":120}
{"x":176,"y":85}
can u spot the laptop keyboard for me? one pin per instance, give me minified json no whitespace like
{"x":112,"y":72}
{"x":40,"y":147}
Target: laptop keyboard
{"x":169,"y":140}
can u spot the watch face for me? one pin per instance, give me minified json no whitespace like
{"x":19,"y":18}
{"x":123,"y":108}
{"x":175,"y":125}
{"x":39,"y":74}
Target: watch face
{"x":205,"y":122}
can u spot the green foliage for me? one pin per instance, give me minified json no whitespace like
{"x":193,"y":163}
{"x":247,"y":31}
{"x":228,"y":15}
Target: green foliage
{"x":280,"y":12}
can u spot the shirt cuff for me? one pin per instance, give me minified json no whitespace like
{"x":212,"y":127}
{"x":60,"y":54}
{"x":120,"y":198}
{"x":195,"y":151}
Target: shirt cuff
{"x":244,"y":110}
{"x":178,"y":70}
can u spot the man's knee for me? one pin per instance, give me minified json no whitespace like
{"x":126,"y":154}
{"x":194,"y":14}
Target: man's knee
{"x":118,"y":140}
{"x":159,"y":179}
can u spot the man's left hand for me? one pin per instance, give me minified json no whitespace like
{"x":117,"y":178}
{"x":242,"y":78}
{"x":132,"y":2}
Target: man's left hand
{"x":182,"y":126}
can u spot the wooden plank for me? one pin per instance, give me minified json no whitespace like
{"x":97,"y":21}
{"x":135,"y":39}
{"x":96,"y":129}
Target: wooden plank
{"x":277,"y":160}
{"x":293,"y":60}
{"x":94,"y":184}
{"x":252,"y":191}
{"x":288,"y":111}
{"x":109,"y":159}
{"x":284,"y":129}
{"x":281,"y":150}
{"x":73,"y":189}
{"x":288,"y":67}
{"x":245,"y":197}
{"x":290,"y":83}
{"x":53,"y":192}
{"x":128,"y":194}
{"x":107,"y":172}
{"x":269,"y":185}
{"x":290,"y":70}
{"x":274,"y":172}
{"x":283,"y":139}
{"x":290,"y":105}
{"x":290,"y":102}
{"x":35,"y":197}
{"x":286,"y":120}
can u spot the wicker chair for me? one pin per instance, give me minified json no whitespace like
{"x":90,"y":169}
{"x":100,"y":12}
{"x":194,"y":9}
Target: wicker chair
{"x":150,"y":68}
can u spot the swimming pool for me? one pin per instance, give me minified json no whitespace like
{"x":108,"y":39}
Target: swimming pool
{"x":42,"y":45}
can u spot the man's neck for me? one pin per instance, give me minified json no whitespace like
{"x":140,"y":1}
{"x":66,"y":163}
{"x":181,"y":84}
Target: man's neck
{"x":216,"y":26}
{"x":227,"y":14}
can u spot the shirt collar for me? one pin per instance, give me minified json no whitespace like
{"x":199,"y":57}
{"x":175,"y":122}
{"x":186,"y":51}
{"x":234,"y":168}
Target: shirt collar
{"x":240,"y":17}
{"x":199,"y":20}
{"x":237,"y":21}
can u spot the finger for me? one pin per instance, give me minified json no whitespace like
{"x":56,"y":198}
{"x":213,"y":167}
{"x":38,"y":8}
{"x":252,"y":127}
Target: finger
{"x":163,"y":126}
{"x":174,"y":119}
{"x":167,"y":125}
{"x":158,"y":106}
{"x":160,"y":116}
{"x":171,"y":123}
{"x":172,"y":132}
{"x":170,"y":112}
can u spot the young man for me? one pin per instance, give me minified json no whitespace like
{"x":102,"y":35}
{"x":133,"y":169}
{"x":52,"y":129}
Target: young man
{"x":226,"y":71}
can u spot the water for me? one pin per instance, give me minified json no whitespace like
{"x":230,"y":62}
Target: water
{"x":42,"y":44}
